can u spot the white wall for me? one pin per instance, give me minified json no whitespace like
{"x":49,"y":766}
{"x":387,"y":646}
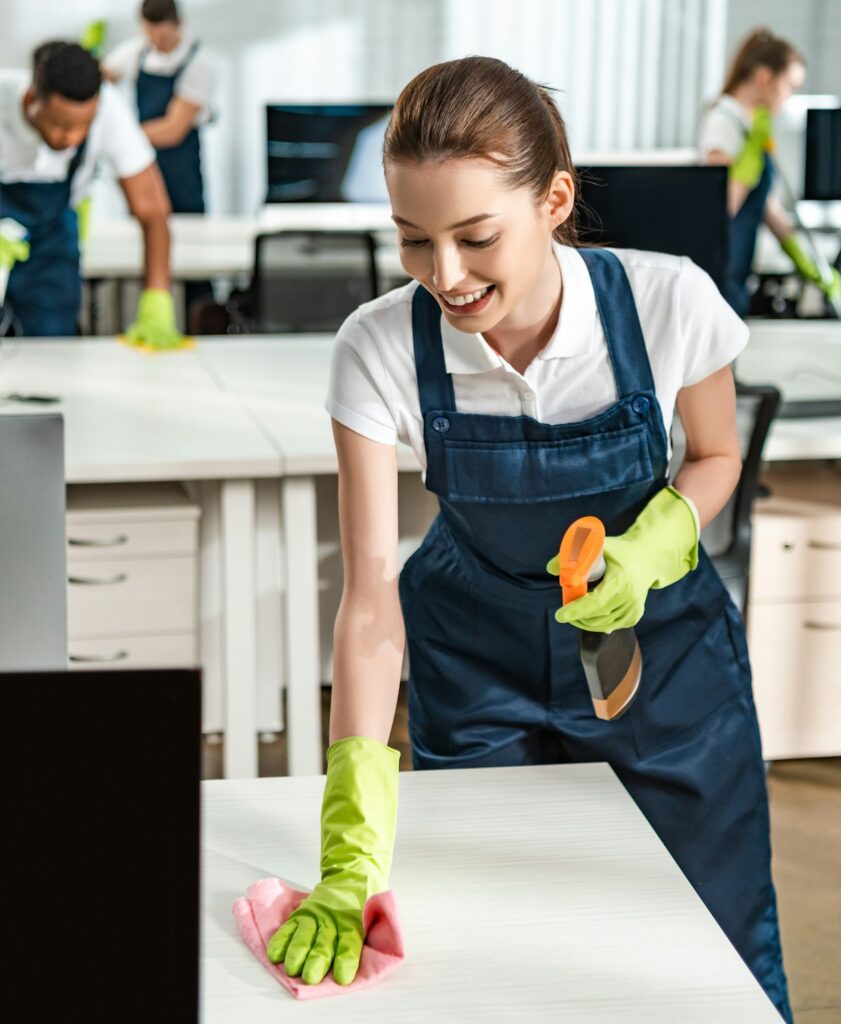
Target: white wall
{"x":632,"y":73}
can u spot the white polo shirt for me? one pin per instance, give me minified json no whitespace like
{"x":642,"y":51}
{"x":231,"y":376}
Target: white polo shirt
{"x":723,"y":127}
{"x":195,"y":83}
{"x":114,"y":136}
{"x":689,"y":330}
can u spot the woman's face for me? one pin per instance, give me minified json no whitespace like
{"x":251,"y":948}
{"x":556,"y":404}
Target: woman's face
{"x":776,"y":89}
{"x":480,"y":247}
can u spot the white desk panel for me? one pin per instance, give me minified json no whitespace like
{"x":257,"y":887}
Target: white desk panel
{"x":283,"y":381}
{"x":133,"y":416}
{"x":526,"y":894}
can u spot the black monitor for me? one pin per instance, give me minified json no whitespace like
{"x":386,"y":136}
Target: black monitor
{"x":679,"y":210}
{"x":325,"y":153}
{"x":101,"y":777}
{"x":822,"y":173}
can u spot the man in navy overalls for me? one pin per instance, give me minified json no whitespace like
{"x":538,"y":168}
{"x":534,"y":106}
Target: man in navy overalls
{"x":168,"y":115}
{"x":495,"y":680}
{"x":54,"y":126}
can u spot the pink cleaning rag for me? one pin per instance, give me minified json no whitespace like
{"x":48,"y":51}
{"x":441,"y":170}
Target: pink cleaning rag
{"x":269,"y":902}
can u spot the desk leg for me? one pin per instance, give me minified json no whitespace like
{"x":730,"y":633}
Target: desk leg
{"x":301,"y":641}
{"x":240,"y":628}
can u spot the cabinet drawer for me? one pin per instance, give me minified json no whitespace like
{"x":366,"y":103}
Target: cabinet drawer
{"x":120,"y":539}
{"x":795,"y":557}
{"x":177,"y":651}
{"x":131,"y":598}
{"x":796,"y":658}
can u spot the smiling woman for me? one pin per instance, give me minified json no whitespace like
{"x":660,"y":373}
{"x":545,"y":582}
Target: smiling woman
{"x":536,"y":382}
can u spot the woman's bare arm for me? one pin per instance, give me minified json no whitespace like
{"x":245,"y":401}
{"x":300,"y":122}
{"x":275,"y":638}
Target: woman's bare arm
{"x":737,"y":193}
{"x":713,"y":461}
{"x":368,"y":638}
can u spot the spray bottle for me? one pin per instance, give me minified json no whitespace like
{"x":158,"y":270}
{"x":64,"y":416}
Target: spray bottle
{"x":612,"y":662}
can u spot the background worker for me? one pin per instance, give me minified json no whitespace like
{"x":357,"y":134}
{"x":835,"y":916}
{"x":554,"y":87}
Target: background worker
{"x":173,"y":81}
{"x":56,"y":125}
{"x":738,"y":132}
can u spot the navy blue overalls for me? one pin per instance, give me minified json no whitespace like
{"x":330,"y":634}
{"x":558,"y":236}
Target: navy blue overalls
{"x":45,"y":292}
{"x":743,"y":231}
{"x":495,"y":680}
{"x":180,"y":165}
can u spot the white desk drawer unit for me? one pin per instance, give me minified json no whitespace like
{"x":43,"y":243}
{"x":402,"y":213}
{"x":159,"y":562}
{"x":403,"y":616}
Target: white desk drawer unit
{"x":794,"y":613}
{"x":132,"y":566}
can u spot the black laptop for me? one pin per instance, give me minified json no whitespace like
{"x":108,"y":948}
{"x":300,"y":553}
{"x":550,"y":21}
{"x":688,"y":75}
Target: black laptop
{"x":101,"y":775}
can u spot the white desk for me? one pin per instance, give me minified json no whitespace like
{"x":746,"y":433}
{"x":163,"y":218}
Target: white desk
{"x":204,"y":247}
{"x":803,"y":358}
{"x":526,"y":894}
{"x":130,"y":417}
{"x":238,"y":411}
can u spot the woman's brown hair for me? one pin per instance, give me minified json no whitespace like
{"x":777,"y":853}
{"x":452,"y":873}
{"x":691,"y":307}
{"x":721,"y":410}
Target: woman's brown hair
{"x":761,"y":49}
{"x":481,"y":107}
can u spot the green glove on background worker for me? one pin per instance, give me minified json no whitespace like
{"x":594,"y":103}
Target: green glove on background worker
{"x":358,"y":822}
{"x":748,"y":166}
{"x":154,"y":326}
{"x":13,"y":248}
{"x":658,"y":549}
{"x":92,"y":38}
{"x":807,"y":268}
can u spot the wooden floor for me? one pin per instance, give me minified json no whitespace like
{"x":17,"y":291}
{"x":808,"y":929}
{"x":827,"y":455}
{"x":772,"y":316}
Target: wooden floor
{"x":806,"y":840}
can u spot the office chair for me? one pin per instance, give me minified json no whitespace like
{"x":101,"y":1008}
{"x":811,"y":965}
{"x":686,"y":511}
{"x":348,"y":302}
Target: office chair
{"x":307,"y":281}
{"x":732,"y":556}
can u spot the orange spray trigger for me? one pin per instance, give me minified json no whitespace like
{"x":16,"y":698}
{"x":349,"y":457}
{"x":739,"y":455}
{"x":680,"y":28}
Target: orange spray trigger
{"x":580,"y":553}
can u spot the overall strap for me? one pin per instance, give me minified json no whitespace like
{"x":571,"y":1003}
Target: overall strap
{"x":620,"y":322}
{"x":435,"y":385}
{"x":75,"y":163}
{"x":182,"y":67}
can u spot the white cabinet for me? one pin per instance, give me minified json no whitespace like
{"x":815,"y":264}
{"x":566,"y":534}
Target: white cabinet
{"x":794,"y":613}
{"x":132,"y":567}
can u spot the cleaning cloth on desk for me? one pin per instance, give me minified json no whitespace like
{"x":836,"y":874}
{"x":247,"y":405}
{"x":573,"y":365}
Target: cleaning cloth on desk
{"x":186,"y":341}
{"x":269,"y":902}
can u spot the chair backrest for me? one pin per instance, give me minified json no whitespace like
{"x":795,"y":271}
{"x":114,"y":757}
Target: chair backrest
{"x":310,"y":281}
{"x":33,"y":576}
{"x":728,"y":538}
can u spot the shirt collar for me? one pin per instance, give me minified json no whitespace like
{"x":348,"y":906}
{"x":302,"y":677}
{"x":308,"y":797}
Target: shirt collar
{"x":573,"y":336}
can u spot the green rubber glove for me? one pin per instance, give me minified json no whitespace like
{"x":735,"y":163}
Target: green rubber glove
{"x":658,"y":549}
{"x":807,"y":268}
{"x":83,"y":218}
{"x":92,"y":38}
{"x":13,"y":248}
{"x":358,"y":822}
{"x":748,"y":166}
{"x":154,"y":326}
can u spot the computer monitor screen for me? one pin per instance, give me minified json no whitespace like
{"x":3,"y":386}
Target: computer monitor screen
{"x":327,"y":153}
{"x":33,"y":577}
{"x":822,"y":173}
{"x":101,"y":826}
{"x":679,"y":210}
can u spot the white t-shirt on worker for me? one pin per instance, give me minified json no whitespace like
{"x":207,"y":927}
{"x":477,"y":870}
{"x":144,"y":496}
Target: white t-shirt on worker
{"x":690,"y":332}
{"x":195,"y":84}
{"x":723,"y":127}
{"x":114,"y":136}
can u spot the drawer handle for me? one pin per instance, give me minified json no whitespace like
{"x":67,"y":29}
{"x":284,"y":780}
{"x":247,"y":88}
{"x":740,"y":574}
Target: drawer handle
{"x":103,"y":581}
{"x":824,"y":545}
{"x":114,"y":542}
{"x":830,"y":626}
{"x":99,"y":659}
